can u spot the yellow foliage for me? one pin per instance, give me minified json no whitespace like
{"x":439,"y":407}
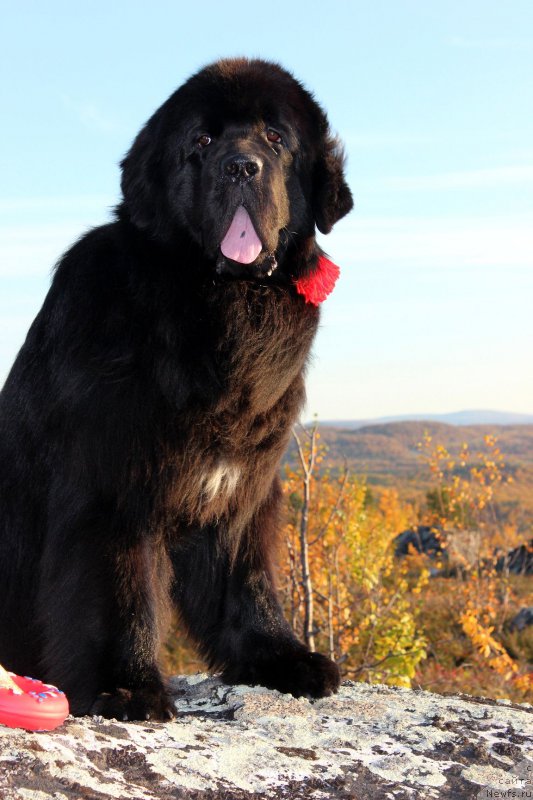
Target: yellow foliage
{"x":369,"y":605}
{"x":364,"y":612}
{"x":486,"y":645}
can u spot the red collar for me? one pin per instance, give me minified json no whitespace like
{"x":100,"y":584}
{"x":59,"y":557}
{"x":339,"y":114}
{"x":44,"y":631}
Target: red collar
{"x":316,"y":287}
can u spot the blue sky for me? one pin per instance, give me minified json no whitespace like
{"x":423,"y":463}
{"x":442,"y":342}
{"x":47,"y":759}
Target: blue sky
{"x":433,"y":311}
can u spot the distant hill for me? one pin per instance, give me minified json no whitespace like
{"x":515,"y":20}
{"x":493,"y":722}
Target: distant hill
{"x":387,"y":455}
{"x":471,"y":417}
{"x":392,"y":448}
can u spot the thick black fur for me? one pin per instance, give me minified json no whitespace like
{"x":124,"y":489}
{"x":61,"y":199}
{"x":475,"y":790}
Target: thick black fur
{"x":142,"y":424}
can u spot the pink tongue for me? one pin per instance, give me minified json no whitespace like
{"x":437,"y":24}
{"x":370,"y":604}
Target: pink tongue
{"x":241,"y":243}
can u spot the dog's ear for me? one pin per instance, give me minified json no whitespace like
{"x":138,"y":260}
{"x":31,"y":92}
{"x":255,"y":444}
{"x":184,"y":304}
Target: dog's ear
{"x":140,"y":177}
{"x":332,"y":198}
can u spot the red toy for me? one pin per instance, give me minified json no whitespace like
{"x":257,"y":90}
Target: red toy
{"x":28,"y":703}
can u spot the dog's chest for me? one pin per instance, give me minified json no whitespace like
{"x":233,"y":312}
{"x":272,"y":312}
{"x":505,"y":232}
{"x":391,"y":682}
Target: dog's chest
{"x":262,"y":339}
{"x":219,"y":479}
{"x":252,"y":370}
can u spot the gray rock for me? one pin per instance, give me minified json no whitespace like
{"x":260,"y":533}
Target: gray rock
{"x":522,"y":620}
{"x":237,"y":742}
{"x":518,"y":561}
{"x":422,"y":538}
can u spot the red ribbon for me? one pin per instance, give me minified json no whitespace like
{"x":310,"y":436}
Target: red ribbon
{"x":316,"y":286}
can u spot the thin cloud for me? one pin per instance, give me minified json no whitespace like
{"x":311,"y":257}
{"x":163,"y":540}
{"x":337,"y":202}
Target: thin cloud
{"x":35,"y":231}
{"x":380,"y":139}
{"x":366,"y":140}
{"x":465,"y":179}
{"x":55,"y":203}
{"x":32,"y":250}
{"x":91,"y":116}
{"x":494,"y":43}
{"x":451,"y":243}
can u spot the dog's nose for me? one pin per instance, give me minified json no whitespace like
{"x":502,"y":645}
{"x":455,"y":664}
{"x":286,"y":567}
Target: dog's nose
{"x":240,"y":167}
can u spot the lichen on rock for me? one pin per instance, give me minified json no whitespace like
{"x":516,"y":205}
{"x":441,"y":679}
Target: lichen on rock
{"x":368,"y":741}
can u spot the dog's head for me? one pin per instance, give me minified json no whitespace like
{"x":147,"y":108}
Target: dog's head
{"x":240,"y":159}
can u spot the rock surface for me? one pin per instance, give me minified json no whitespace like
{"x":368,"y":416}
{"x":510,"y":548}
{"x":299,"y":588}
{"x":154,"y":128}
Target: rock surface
{"x":239,"y":742}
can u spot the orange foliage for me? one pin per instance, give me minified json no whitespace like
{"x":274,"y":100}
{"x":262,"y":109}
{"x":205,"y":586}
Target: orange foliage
{"x":369,"y":607}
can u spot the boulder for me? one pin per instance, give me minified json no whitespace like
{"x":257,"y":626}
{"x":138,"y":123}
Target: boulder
{"x":422,"y":538}
{"x":522,"y":620}
{"x":238,"y":742}
{"x":519,"y":561}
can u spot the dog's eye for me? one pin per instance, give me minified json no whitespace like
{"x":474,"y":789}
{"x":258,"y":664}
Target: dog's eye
{"x":273,"y":136}
{"x":204,"y":140}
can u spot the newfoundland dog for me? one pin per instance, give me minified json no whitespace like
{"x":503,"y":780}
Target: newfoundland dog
{"x":144,"y":419}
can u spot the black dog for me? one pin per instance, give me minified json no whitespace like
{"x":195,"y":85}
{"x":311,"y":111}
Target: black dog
{"x":144,"y":419}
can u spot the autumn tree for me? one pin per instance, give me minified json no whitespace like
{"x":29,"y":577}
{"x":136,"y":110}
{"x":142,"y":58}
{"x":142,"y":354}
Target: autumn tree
{"x":342,"y":588}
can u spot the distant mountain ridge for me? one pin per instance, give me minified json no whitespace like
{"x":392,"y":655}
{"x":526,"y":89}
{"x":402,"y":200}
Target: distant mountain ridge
{"x":460,"y":418}
{"x":389,"y":454}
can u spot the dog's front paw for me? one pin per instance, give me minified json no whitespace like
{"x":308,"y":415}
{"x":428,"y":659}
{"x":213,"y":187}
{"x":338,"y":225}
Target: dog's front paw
{"x":139,"y":704}
{"x":300,"y":673}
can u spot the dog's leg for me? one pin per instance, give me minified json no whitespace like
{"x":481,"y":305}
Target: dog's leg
{"x":101,"y":618}
{"x":142,"y":580}
{"x":229,"y":605}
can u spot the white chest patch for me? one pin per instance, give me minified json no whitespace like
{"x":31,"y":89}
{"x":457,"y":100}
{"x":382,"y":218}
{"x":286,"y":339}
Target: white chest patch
{"x":222,"y":479}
